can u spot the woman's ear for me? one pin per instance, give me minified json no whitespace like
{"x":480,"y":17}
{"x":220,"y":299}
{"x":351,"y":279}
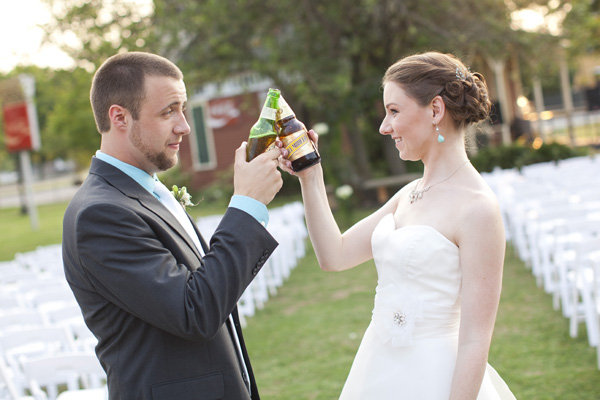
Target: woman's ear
{"x":438,"y":108}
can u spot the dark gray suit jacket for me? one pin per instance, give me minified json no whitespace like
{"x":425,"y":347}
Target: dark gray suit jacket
{"x":156,"y":306}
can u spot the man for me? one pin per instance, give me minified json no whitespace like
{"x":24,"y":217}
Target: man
{"x":160,"y":301}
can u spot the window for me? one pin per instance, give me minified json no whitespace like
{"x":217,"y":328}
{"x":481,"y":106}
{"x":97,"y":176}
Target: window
{"x":201,"y":139}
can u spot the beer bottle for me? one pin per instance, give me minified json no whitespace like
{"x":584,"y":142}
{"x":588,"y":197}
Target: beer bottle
{"x":262,"y":134}
{"x":293,"y":134}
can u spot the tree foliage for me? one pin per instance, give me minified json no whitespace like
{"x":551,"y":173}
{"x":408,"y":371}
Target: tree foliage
{"x":582,"y":26}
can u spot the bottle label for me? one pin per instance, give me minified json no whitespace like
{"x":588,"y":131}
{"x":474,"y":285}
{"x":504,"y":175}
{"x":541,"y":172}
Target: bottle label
{"x":268,"y":113}
{"x":297,"y":144}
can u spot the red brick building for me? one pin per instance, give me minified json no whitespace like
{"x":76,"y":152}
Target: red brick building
{"x":220,"y":118}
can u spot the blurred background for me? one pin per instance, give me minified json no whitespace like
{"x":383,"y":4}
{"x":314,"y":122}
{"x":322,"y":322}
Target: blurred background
{"x":541,"y":60}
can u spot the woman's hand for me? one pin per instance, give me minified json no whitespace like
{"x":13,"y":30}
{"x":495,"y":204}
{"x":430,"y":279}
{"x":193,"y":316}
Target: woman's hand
{"x":286,"y":165}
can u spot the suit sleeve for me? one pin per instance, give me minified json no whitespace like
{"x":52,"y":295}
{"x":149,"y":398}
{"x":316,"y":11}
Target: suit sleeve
{"x":127,"y":260}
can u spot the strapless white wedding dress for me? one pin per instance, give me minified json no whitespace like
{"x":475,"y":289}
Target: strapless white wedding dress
{"x":409,"y":349}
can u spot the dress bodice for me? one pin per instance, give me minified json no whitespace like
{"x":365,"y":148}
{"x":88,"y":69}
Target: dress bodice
{"x":418,"y":286}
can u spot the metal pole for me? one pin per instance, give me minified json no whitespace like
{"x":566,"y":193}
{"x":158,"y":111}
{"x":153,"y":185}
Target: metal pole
{"x":565,"y":86}
{"x":28,"y":185}
{"x":538,"y":98}
{"x":498,"y":67}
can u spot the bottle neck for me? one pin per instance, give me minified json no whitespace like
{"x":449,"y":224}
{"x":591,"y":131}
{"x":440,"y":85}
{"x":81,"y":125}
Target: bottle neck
{"x":269,"y":112}
{"x":285,"y":111}
{"x":269,"y":109}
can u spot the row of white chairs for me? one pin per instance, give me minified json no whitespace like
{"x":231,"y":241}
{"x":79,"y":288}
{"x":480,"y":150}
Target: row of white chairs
{"x":45,"y":346}
{"x":46,"y":350}
{"x":552,"y":216}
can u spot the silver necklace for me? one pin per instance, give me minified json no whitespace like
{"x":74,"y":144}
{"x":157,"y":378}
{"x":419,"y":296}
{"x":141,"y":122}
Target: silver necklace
{"x":417,"y":194}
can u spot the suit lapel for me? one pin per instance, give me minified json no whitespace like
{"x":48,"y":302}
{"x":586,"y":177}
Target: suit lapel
{"x":130,"y":188}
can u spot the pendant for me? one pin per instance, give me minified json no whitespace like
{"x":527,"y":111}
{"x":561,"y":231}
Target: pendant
{"x":415,"y":195}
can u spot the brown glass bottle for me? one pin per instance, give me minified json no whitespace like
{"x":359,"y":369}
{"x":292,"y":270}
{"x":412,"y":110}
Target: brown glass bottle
{"x":294,"y":136}
{"x":263,"y":134}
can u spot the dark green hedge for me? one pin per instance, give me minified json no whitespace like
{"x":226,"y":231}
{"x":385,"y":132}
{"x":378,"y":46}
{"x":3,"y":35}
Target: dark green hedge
{"x":518,"y":155}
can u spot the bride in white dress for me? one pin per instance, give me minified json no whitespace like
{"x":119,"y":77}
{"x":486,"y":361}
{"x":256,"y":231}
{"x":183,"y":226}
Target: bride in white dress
{"x":438,"y":245}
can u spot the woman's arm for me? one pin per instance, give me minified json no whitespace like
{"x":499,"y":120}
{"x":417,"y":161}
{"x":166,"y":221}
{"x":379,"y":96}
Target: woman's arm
{"x":482,"y":245}
{"x":335,"y":251}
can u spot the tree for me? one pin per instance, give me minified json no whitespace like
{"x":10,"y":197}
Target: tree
{"x":70,"y":131}
{"x":582,"y":26}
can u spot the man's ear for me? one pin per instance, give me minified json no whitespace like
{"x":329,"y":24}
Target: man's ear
{"x":119,"y":117}
{"x":438,"y":108}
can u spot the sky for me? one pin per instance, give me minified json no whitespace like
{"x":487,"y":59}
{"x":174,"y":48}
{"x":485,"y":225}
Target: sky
{"x":20,"y":38}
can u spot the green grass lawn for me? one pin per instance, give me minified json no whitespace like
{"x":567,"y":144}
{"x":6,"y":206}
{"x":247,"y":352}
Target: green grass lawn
{"x":303,"y":341}
{"x":16,"y":234}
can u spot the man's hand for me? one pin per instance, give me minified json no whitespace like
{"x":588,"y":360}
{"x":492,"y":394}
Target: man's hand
{"x":259,"y":178}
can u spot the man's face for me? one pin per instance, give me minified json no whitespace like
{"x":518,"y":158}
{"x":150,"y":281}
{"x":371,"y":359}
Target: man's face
{"x":157,"y":133}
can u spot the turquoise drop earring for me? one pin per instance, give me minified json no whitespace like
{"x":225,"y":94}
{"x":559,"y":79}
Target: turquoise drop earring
{"x":440,"y":137}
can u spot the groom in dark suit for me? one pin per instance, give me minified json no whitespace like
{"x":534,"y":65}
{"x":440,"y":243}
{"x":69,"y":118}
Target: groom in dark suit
{"x":162,"y":302}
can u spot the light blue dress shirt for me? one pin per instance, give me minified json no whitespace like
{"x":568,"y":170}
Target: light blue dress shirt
{"x":247,"y":204}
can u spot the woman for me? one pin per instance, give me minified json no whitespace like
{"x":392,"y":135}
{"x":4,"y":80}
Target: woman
{"x":438,"y":245}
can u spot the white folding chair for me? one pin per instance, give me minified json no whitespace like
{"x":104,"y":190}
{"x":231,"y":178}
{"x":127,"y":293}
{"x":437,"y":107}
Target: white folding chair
{"x":260,"y":291}
{"x":84,"y":394}
{"x":44,"y":259}
{"x":75,"y":370}
{"x":246,"y":306}
{"x":62,"y":313}
{"x":582,"y":291}
{"x":12,"y":272}
{"x":36,"y":341}
{"x":8,"y":390}
{"x":596,"y":301}
{"x":17,"y":346}
{"x":9,"y":301}
{"x":21,"y":318}
{"x":84,"y":339}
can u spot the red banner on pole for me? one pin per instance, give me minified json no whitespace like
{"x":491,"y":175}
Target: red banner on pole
{"x":16,"y":127}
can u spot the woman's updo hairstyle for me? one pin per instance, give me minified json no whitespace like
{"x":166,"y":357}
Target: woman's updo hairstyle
{"x":424,"y":76}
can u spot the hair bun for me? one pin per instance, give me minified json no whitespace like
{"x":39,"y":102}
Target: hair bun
{"x":467,"y":99}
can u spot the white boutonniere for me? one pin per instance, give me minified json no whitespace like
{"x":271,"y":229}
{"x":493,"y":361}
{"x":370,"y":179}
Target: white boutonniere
{"x":182,"y":196}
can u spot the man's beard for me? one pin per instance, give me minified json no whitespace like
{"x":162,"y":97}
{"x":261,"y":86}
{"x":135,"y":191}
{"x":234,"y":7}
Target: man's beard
{"x":160,"y":160}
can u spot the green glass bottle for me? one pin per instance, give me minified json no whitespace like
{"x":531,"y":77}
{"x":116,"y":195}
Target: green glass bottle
{"x":263,"y":134}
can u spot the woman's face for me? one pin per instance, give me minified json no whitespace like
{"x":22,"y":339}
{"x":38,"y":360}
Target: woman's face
{"x":409,"y":124}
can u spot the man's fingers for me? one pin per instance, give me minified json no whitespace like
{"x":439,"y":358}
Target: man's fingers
{"x":240,"y":153}
{"x":272,"y":154}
